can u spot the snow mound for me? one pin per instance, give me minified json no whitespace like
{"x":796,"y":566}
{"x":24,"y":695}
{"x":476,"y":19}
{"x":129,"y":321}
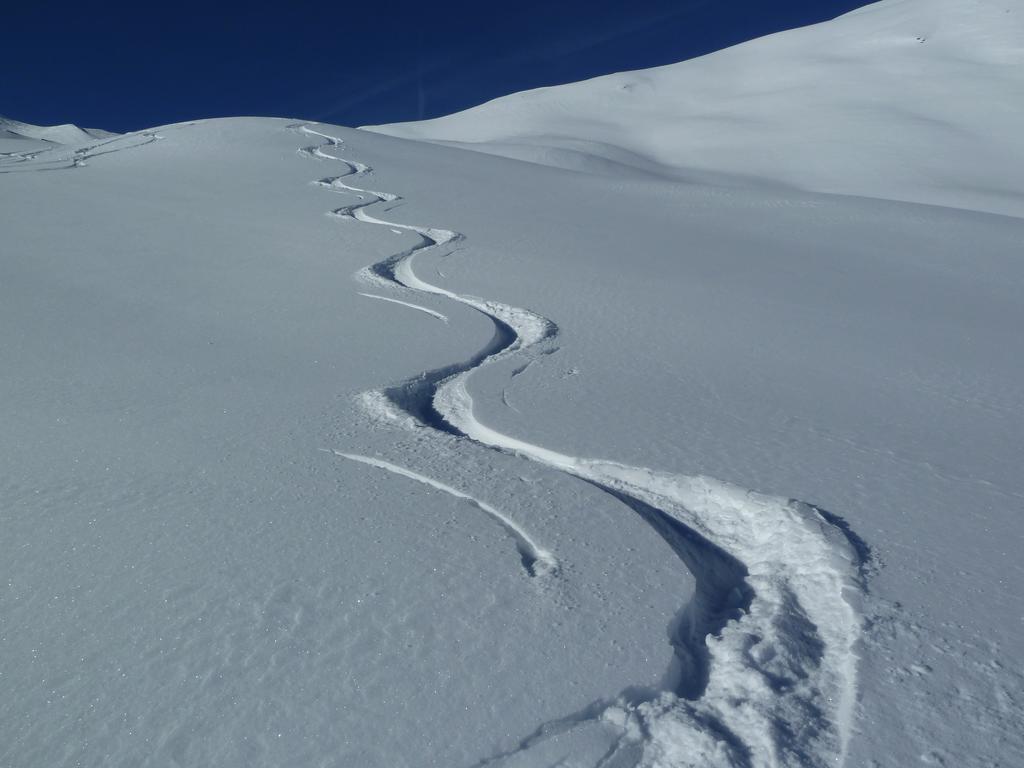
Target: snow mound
{"x":904,"y":100}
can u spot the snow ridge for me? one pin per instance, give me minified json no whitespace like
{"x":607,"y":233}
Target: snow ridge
{"x":765,"y":655}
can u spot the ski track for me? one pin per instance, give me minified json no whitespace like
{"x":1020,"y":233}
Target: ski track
{"x":766,"y":651}
{"x":536,"y":561}
{"x":11,"y":162}
{"x":432,"y":313}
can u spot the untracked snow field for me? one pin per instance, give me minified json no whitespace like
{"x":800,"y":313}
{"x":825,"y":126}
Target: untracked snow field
{"x":326,"y":447}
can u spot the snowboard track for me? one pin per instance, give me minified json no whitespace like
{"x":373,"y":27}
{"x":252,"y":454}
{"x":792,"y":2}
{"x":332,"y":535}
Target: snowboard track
{"x":764,"y":670}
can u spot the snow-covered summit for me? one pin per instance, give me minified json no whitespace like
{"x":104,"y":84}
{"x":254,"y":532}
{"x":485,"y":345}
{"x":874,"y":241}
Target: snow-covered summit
{"x":904,"y":99}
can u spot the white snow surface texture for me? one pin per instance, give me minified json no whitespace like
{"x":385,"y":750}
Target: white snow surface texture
{"x":17,"y":137}
{"x":916,"y":100}
{"x":695,"y":440}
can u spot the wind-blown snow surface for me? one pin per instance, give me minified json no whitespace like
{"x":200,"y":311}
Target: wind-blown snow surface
{"x":531,"y":508}
{"x":916,"y":100}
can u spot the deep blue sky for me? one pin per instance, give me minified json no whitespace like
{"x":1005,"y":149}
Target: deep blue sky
{"x":137,"y":65}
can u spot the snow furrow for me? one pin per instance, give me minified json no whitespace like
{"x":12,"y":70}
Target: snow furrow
{"x":430,"y":312}
{"x":765,"y":671}
{"x":73,"y":157}
{"x":536,"y":560}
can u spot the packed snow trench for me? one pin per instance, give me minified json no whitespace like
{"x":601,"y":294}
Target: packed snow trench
{"x":765,"y":668}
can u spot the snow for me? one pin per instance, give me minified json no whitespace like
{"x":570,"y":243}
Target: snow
{"x":190,"y":571}
{"x":712,"y":461}
{"x":906,"y":100}
{"x":16,"y":136}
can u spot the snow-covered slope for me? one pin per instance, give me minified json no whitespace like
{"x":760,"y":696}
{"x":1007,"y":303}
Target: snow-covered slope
{"x":16,"y":136}
{"x":917,"y":100}
{"x":325,"y":447}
